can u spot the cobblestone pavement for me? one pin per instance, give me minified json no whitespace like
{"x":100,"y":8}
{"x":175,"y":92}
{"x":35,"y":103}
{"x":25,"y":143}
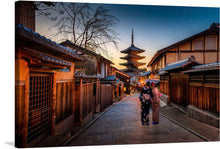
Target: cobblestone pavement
{"x":122,"y":125}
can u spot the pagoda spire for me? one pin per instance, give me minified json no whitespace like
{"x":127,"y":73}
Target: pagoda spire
{"x":132,"y":57}
{"x":132,"y":37}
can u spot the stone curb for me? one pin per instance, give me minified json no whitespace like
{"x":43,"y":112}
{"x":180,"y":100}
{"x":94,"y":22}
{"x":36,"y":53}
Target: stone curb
{"x":87,"y":126}
{"x":190,"y":130}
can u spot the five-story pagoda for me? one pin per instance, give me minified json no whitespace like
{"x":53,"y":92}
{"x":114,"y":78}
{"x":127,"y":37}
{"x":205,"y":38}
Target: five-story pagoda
{"x":132,"y":58}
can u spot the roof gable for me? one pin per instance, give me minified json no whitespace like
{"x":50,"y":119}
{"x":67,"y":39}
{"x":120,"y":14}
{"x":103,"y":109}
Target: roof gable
{"x":183,"y":64}
{"x":26,"y":34}
{"x":213,"y":27}
{"x":84,"y":50}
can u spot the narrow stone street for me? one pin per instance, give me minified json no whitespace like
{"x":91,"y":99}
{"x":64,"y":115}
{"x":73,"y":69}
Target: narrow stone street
{"x":121,"y":125}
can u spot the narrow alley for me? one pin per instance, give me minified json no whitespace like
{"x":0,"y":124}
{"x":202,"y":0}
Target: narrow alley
{"x":121,"y":125}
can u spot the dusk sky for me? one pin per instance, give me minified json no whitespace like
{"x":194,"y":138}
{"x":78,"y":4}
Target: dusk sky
{"x":155,"y":27}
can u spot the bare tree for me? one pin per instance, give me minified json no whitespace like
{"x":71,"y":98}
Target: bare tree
{"x":86,"y":26}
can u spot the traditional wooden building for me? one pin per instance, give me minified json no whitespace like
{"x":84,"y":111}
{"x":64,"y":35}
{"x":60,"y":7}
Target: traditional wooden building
{"x":44,"y":87}
{"x":49,"y":98}
{"x":102,"y":68}
{"x":93,"y":64}
{"x":132,"y":58}
{"x":204,"y":46}
{"x":146,"y":75}
{"x":43,"y":71}
{"x":203,"y":99}
{"x":193,"y":88}
{"x":124,"y":77}
{"x":174,"y":83}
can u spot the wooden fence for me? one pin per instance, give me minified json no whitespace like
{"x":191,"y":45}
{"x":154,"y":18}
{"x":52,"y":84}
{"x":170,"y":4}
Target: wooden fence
{"x":106,"y":96}
{"x":164,"y":87}
{"x":204,"y":90}
{"x":87,"y":98}
{"x":164,"y":84}
{"x":206,"y":98}
{"x":64,"y":103}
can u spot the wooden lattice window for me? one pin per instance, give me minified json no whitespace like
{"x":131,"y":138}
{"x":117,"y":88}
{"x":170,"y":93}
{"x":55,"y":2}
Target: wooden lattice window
{"x":197,"y":78}
{"x":211,"y":78}
{"x":40,"y":95}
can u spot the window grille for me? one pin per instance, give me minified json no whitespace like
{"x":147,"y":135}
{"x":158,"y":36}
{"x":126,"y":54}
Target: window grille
{"x":195,"y":78}
{"x":40,"y":95}
{"x":211,"y":78}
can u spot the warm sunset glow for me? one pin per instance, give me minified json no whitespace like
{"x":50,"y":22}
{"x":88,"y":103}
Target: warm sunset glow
{"x":155,"y":27}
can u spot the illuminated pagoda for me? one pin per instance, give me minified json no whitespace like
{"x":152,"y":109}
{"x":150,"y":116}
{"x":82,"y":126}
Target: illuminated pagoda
{"x":132,"y":58}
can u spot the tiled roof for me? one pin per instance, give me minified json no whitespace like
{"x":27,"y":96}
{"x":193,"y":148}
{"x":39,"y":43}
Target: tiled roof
{"x":87,"y":76}
{"x":179,"y":64}
{"x":133,"y":63}
{"x":84,"y":50}
{"x":205,"y":67}
{"x":36,"y":37}
{"x":130,"y":69}
{"x":111,"y":78}
{"x":146,"y":73}
{"x":162,"y":73}
{"x":132,"y":48}
{"x":54,"y":60}
{"x":155,"y":81}
{"x":133,"y":56}
{"x":120,"y":71}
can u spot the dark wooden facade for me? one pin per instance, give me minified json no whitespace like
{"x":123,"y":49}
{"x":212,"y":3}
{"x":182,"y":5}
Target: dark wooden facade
{"x":44,"y":88}
{"x":179,"y":89}
{"x":125,"y":78}
{"x":204,"y":46}
{"x":174,"y":83}
{"x":194,"y":90}
{"x":100,"y":66}
{"x":164,"y":84}
{"x":204,"y":87}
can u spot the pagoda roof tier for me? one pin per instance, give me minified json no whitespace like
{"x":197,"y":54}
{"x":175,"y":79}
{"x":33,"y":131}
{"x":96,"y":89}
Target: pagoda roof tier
{"x":132,"y":56}
{"x":133,"y":49}
{"x":130,"y":70}
{"x":133,"y":64}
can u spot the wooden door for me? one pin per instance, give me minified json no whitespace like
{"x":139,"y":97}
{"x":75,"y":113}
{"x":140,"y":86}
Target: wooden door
{"x":179,"y":89}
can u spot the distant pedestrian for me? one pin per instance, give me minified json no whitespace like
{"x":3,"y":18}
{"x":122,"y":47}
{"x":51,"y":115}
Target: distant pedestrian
{"x":138,"y":89}
{"x":155,"y":104}
{"x":145,"y":98}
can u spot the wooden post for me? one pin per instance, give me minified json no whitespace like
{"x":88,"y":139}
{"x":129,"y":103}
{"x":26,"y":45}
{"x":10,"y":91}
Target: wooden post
{"x":178,"y":53}
{"x":191,"y":45}
{"x":26,"y":108}
{"x":169,"y":91}
{"x":53,"y":111}
{"x":20,"y":83}
{"x":87,"y":95}
{"x":97,"y":95}
{"x":204,"y":50}
{"x":81,"y":99}
{"x":93,"y":102}
{"x":73,"y":97}
{"x":218,"y":47}
{"x":165,"y":60}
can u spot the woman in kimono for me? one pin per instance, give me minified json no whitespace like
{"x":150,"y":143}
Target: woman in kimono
{"x":155,"y":104}
{"x":145,"y":98}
